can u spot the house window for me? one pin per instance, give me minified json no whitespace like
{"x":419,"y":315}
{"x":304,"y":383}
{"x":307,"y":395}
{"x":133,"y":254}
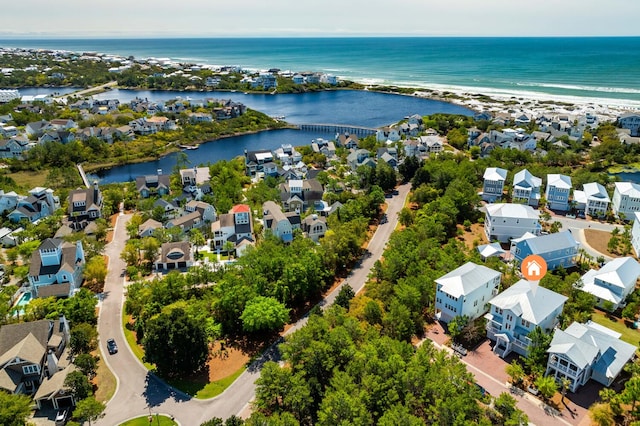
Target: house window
{"x":30,"y":369}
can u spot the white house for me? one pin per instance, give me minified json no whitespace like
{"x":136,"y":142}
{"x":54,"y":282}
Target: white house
{"x":465,"y":291}
{"x":233,"y":227}
{"x":526,"y":188}
{"x":635,"y":233}
{"x":630,"y":121}
{"x":558,"y":190}
{"x":517,"y":311}
{"x":587,"y":351}
{"x":626,"y":199}
{"x":592,"y":200}
{"x":494,"y":178}
{"x":505,"y":221}
{"x":613,"y":282}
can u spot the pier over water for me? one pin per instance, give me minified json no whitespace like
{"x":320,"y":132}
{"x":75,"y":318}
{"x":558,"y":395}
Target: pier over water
{"x":359,"y":131}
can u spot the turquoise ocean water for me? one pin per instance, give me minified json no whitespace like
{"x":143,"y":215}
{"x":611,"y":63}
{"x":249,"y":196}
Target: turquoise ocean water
{"x":594,"y":68}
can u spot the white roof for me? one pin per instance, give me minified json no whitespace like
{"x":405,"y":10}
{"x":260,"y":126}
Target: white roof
{"x":621,"y":272}
{"x":488,"y":250}
{"x":512,"y":210}
{"x":580,"y":197}
{"x":628,"y":188}
{"x":525,"y":179}
{"x":495,"y":173}
{"x":466,"y":279}
{"x":531,"y":304}
{"x":526,"y":236}
{"x":559,"y":181}
{"x":596,"y":191}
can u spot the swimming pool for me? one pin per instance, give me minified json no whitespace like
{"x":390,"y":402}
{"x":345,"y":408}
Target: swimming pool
{"x":24,"y":300}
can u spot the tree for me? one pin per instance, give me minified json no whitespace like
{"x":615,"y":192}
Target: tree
{"x":564,"y":386}
{"x":515,"y":372}
{"x":79,"y":385}
{"x":14,"y":409}
{"x":601,"y":414}
{"x":133,"y":225}
{"x":87,"y":364}
{"x":344,"y":296}
{"x":537,"y":353}
{"x":264,"y":314}
{"x":83,"y":339}
{"x":456,"y":325}
{"x":89,"y":409}
{"x":197,"y":239}
{"x":175,"y":342}
{"x":95,"y":272}
{"x":631,"y":392}
{"x":547,"y":386}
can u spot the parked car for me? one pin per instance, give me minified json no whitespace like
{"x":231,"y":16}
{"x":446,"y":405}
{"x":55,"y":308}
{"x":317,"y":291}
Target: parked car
{"x":570,"y":216}
{"x":61,"y":417}
{"x":112,"y":347}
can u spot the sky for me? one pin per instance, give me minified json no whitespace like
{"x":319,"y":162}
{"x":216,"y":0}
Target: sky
{"x":296,"y":18}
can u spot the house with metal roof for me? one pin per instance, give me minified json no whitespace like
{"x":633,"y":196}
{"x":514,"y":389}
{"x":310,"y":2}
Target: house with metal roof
{"x":559,"y":249}
{"x":465,"y":291}
{"x":558,"y":191}
{"x":592,"y":200}
{"x":504,"y":221}
{"x":526,"y":188}
{"x":626,"y":198}
{"x":635,"y":233}
{"x":515,"y":312}
{"x":613,"y":282}
{"x":587,"y":351}
{"x":494,"y":178}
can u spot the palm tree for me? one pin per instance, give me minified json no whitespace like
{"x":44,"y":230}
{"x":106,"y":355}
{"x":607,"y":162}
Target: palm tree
{"x":564,"y":384}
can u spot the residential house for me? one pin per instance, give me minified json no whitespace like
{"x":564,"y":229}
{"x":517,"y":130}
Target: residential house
{"x":234,"y":227}
{"x":387,"y":134}
{"x":526,"y":188}
{"x":175,"y":255}
{"x":206,"y":211}
{"x":8,"y":201}
{"x":152,"y":185}
{"x":63,"y":124}
{"x":31,"y":352}
{"x":15,"y":147}
{"x":40,"y":203}
{"x":505,"y":221}
{"x":85,"y":205}
{"x":613,"y":282}
{"x":314,"y":227}
{"x":9,"y":237}
{"x":559,"y":249}
{"x":195,"y":176}
{"x":630,"y":121}
{"x":558,"y":191}
{"x":347,"y":140}
{"x":388,"y":155}
{"x":56,"y":268}
{"x":255,"y":161}
{"x":626,"y":199}
{"x":517,"y":311}
{"x":587,"y":351}
{"x":280,"y":224}
{"x":635,"y":233}
{"x":301,"y":195}
{"x":200,"y":117}
{"x":36,"y":128}
{"x":147,"y":229}
{"x":465,"y":291}
{"x":169,"y":210}
{"x":359,"y":157}
{"x":494,"y":178}
{"x":592,"y":200}
{"x":433,"y":144}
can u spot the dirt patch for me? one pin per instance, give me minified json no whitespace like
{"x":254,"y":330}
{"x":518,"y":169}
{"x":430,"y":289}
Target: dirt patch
{"x":225,"y":362}
{"x":475,"y":234}
{"x":598,"y":240}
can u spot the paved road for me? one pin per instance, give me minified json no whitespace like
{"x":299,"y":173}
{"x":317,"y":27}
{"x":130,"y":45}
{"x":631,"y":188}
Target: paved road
{"x":577,"y":227}
{"x":139,"y":391}
{"x":83,"y":92}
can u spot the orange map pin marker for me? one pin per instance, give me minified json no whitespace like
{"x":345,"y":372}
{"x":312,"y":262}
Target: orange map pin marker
{"x":533,"y":267}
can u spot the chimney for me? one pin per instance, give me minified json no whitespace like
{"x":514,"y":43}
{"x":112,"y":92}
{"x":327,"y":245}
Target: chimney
{"x":52,"y":363}
{"x":95,"y":191}
{"x":159,"y":172}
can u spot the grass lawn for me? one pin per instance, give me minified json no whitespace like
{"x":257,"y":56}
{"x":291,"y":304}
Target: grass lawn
{"x":29,"y":179}
{"x":205,"y":391}
{"x":144,"y":421}
{"x":105,"y":381}
{"x":131,"y":340}
{"x":629,"y":335}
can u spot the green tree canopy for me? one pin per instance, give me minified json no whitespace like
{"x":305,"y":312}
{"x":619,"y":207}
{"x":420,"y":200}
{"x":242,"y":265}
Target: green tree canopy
{"x":264,"y":314}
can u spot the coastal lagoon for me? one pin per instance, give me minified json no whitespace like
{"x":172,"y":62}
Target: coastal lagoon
{"x":349,"y":107}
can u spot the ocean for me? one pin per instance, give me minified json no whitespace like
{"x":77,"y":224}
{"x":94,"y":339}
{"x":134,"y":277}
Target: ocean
{"x":602,"y":70}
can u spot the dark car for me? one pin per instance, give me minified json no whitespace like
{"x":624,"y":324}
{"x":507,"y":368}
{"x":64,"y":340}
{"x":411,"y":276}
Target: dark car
{"x":112,"y":347}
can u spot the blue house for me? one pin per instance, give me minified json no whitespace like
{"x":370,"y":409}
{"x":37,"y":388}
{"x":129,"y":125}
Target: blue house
{"x":559,"y":249}
{"x":557,"y":194}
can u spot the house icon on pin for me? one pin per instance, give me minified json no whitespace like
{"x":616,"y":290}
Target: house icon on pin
{"x":533,"y":268}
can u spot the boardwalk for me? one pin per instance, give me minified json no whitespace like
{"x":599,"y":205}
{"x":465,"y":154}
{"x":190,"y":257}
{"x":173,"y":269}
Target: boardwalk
{"x":83,"y":175}
{"x":338,"y":128}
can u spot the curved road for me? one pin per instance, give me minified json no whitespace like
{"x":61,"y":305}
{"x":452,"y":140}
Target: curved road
{"x":140,"y":392}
